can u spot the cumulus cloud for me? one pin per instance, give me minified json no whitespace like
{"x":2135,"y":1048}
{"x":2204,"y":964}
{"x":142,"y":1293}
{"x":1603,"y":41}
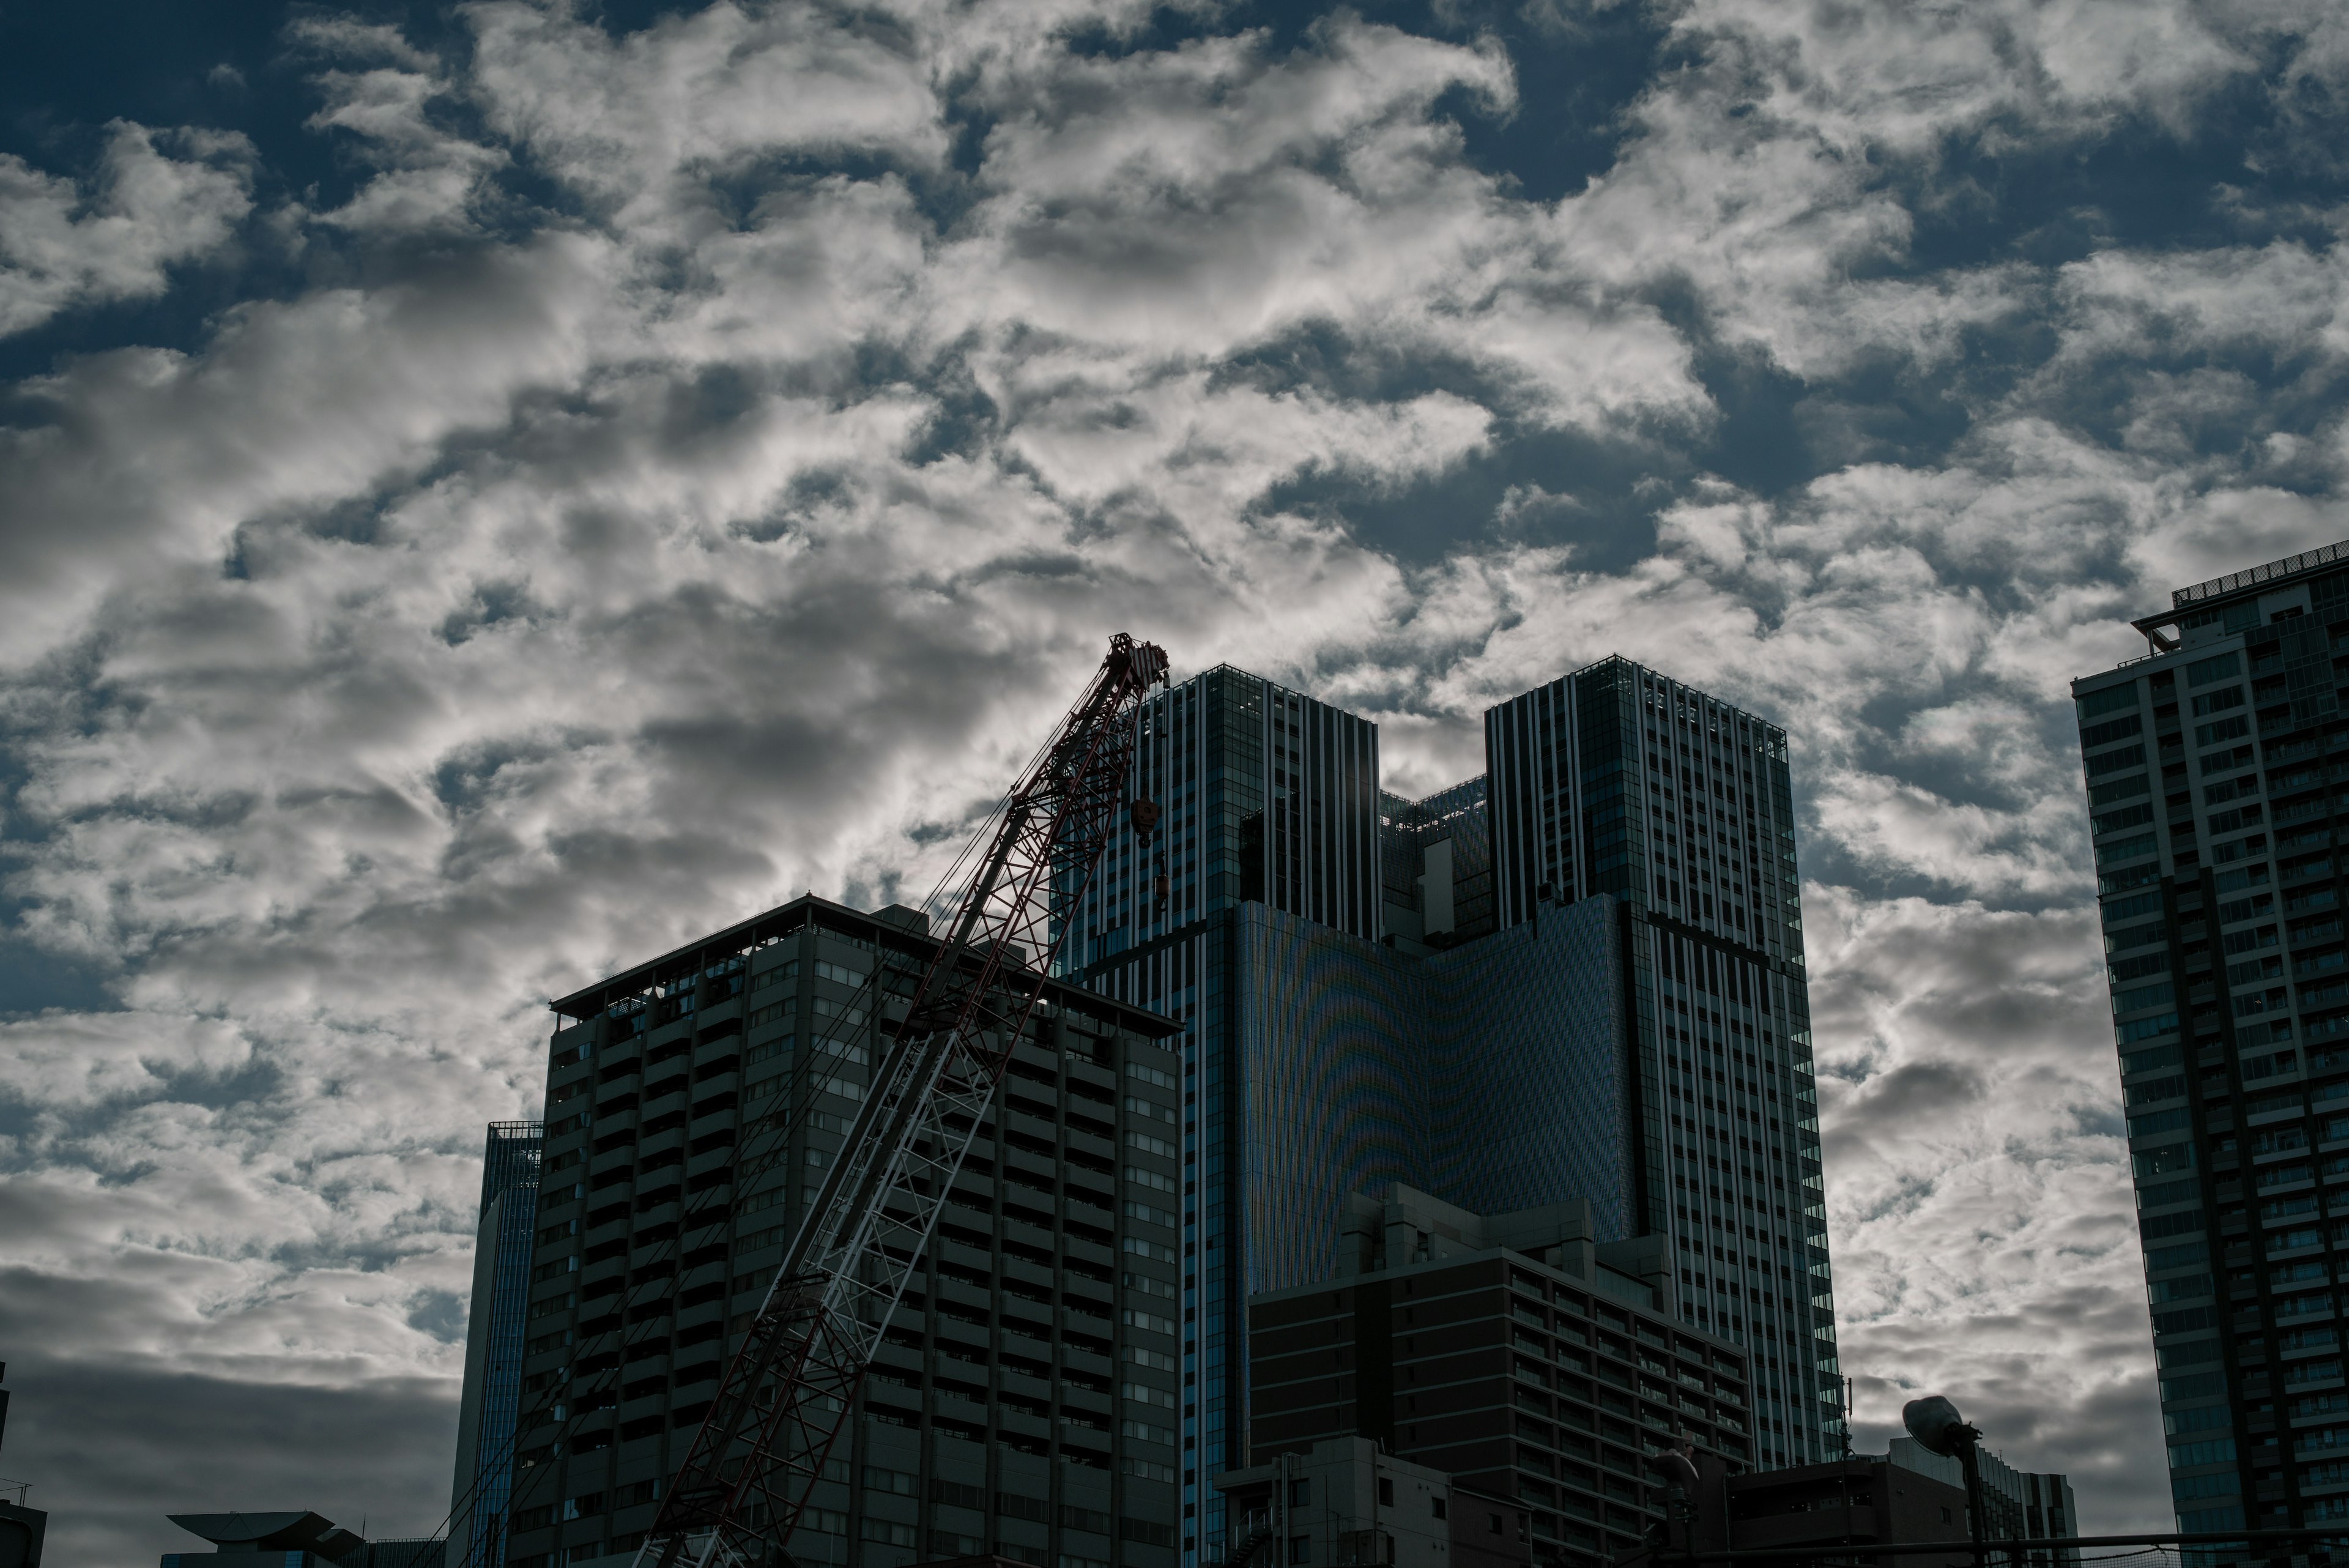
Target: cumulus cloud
{"x":65,"y":245}
{"x":693,"y":464}
{"x":391,"y":99}
{"x":1975,"y":1140}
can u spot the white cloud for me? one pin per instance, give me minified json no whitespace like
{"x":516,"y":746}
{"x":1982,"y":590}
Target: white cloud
{"x":533,"y":589}
{"x":64,"y":246}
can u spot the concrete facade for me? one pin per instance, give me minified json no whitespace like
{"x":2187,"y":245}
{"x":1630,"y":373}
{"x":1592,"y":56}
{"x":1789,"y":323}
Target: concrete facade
{"x":1848,"y":1502}
{"x":1516,"y":1354}
{"x":2214,"y":770}
{"x":1024,"y":1401}
{"x":2018,"y":1505}
{"x":1906,"y":1498}
{"x":1342,"y":1504}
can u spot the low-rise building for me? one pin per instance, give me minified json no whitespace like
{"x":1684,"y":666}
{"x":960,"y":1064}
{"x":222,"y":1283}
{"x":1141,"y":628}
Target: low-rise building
{"x":293,"y":1538}
{"x":1514,"y":1353}
{"x":23,"y":1531}
{"x":2017,"y":1505}
{"x":1342,"y":1503}
{"x":1907,"y":1498}
{"x":1852,"y":1502}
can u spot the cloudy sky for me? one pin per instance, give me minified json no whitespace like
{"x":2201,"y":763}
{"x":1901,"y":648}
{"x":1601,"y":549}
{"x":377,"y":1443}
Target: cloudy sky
{"x":488,"y":491}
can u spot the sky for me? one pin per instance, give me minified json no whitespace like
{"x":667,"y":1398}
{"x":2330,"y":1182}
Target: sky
{"x":488,"y":493}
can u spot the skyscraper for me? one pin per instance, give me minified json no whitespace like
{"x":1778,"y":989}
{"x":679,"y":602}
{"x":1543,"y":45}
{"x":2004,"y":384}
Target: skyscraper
{"x":493,"y":1342}
{"x":1620,"y":782}
{"x":1344,"y":962}
{"x":2210,"y":765}
{"x":1271,"y":798}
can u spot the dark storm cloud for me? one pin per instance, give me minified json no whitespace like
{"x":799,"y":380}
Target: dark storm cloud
{"x":125,"y":1448}
{"x":642,"y":471}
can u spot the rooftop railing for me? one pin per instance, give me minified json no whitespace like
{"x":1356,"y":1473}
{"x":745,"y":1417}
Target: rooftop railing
{"x":2179,"y":598}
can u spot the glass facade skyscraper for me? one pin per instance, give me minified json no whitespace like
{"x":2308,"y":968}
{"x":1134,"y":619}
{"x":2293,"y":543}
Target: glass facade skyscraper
{"x":1437,"y":858}
{"x":493,"y":1344}
{"x":1375,"y":989}
{"x":1493,"y":1071}
{"x":1268,"y":797}
{"x":1616,"y":781}
{"x":2211,"y":765}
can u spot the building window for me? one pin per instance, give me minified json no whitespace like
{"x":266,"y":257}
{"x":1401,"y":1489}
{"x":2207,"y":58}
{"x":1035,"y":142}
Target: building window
{"x":1438,"y":1504}
{"x":1300,"y":1491}
{"x":1300,"y":1549}
{"x":1386,"y":1491}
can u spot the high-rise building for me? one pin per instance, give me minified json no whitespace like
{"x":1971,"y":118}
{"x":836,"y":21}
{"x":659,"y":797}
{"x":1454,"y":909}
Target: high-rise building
{"x":493,"y":1342}
{"x":1516,"y":1354}
{"x":2211,"y":766}
{"x":1580,"y":974}
{"x":1620,"y":782}
{"x":1268,"y":798}
{"x":1024,"y":1401}
{"x":1492,"y":1072}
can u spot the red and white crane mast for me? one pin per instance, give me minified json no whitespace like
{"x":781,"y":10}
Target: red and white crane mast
{"x":748,"y":1475}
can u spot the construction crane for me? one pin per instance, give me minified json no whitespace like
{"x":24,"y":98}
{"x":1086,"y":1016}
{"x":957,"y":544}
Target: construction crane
{"x":748,"y":1475}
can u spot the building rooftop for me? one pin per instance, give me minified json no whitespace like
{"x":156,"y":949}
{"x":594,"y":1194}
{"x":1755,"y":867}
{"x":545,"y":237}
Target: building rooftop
{"x":897,"y":926}
{"x":2257,"y":577}
{"x":2234,"y":587}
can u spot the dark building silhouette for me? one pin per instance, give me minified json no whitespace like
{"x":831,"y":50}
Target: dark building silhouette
{"x":2214,"y":767}
{"x":293,"y":1538}
{"x":1514,"y":1353}
{"x":493,"y":1342}
{"x":1577,"y":974}
{"x":1343,"y":1503}
{"x":1023,"y":1401}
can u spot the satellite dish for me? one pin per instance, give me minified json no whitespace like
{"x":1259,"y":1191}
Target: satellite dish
{"x":1934,"y":1422}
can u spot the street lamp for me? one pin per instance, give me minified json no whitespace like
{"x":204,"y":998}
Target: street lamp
{"x":1936,"y":1425}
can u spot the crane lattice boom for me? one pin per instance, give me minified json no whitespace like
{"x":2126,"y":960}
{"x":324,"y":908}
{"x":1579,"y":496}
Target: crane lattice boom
{"x":748,"y":1475}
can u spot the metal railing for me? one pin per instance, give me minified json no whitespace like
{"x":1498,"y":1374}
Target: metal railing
{"x":2181,"y":598}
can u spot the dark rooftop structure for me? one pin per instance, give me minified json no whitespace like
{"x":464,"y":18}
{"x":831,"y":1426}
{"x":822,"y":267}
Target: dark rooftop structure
{"x":292,"y":1538}
{"x":684,"y":964}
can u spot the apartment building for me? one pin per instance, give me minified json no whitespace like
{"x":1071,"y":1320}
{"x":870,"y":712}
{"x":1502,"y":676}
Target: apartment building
{"x":1516,"y":1354}
{"x":1025,"y":1402}
{"x":2217,"y":766}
